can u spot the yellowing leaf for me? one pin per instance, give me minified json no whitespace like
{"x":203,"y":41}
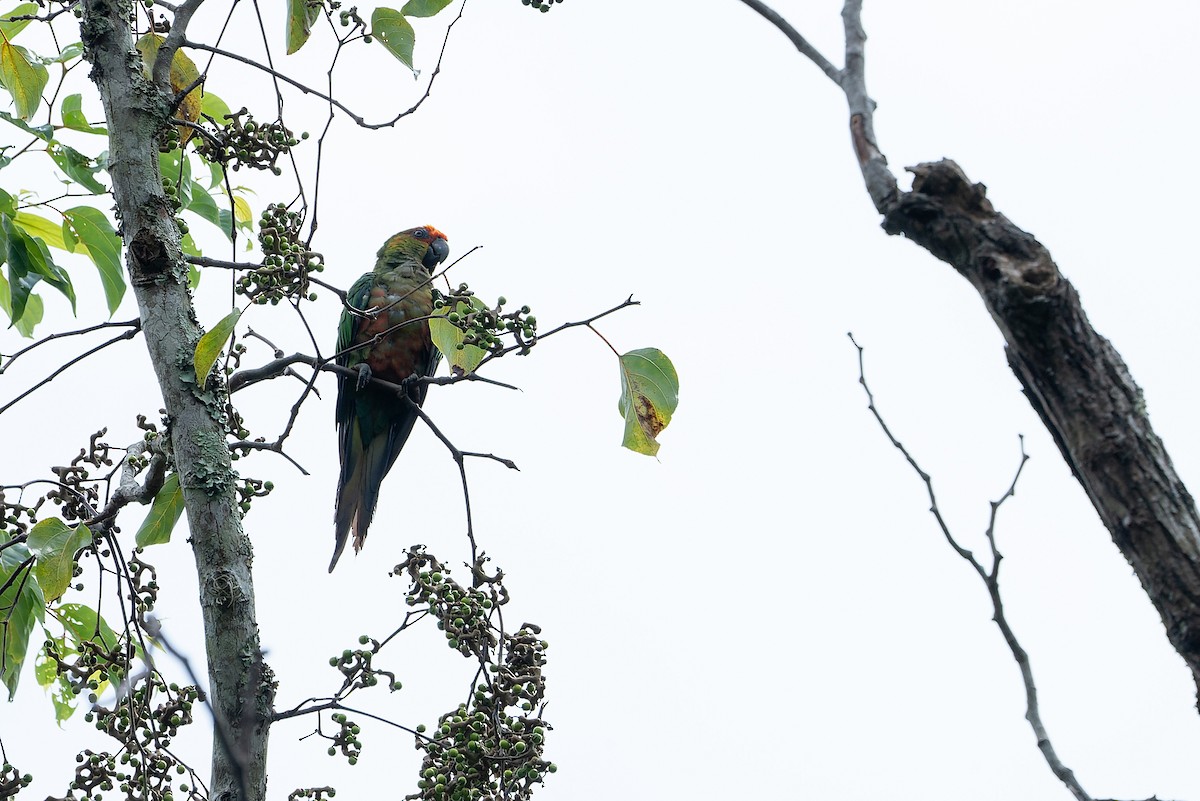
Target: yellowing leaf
{"x":183,"y":74}
{"x":23,"y":80}
{"x":164,"y":514}
{"x":242,"y":212}
{"x":210,"y":345}
{"x":649,"y":396}
{"x":393,"y":31}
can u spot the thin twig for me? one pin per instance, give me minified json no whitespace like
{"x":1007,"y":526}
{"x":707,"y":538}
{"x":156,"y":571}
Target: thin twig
{"x":308,"y":90}
{"x":991,"y":579}
{"x":130,"y":334}
{"x":775,"y":18}
{"x":134,"y":324}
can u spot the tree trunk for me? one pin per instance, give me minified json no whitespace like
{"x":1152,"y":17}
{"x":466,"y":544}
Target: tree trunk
{"x":240,"y":684}
{"x":1075,"y":380}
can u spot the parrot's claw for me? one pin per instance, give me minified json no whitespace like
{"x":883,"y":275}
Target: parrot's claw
{"x":364,"y":376}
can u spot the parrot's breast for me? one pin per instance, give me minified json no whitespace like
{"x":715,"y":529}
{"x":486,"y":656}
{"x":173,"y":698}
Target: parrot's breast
{"x":403,"y":349}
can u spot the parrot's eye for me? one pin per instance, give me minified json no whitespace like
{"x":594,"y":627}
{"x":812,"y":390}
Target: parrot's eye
{"x":420,"y":233}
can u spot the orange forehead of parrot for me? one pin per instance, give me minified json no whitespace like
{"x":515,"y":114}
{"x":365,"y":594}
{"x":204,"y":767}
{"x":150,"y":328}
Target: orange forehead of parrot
{"x":434,"y":233}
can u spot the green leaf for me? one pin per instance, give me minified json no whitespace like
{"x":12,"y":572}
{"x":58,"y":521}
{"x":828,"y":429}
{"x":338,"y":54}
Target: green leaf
{"x":214,"y":107}
{"x":65,"y":700}
{"x":424,"y":8}
{"x":23,"y":80}
{"x":54,"y":543}
{"x":649,"y":396}
{"x":205,"y":206}
{"x":11,"y":27}
{"x":8,"y":205}
{"x":210,"y":345}
{"x":84,"y":625}
{"x":69,"y":53}
{"x":164,"y":514}
{"x":43,"y":132}
{"x":301,"y":17}
{"x":45,"y":670}
{"x":23,"y":605}
{"x":393,"y":31}
{"x":216,"y":175}
{"x":33,"y":310}
{"x":28,"y":262}
{"x":189,"y":246}
{"x":72,"y":116}
{"x":447,"y":337}
{"x":79,"y":168}
{"x":39,"y":226}
{"x":103,"y":248}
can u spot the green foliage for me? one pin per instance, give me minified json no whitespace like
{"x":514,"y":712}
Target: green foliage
{"x":649,"y":396}
{"x":21,"y":606}
{"x":164,"y":513}
{"x":471,"y":329}
{"x":87,"y":230}
{"x":54,"y":544}
{"x":32,"y":313}
{"x":72,"y":116}
{"x":395,"y":33}
{"x":211,"y":344}
{"x":29,"y":262}
{"x":301,"y":16}
{"x":10,"y":27}
{"x":79,"y":168}
{"x":424,"y":8}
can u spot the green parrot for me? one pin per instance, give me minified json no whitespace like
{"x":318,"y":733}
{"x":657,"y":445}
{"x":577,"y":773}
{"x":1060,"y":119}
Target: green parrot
{"x":374,"y":424}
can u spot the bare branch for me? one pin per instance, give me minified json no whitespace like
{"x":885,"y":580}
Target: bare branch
{"x":991,"y":579}
{"x":308,"y":90}
{"x":130,"y":334}
{"x":811,"y":53}
{"x":135,"y":324}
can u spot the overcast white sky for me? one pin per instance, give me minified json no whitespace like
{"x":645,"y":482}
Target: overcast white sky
{"x":767,"y":610}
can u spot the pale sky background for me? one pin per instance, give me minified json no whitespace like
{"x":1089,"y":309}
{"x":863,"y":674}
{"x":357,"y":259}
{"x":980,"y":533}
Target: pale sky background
{"x":767,"y":610}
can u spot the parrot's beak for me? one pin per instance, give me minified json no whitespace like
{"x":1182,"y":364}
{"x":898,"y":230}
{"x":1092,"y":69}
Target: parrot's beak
{"x":437,"y":253}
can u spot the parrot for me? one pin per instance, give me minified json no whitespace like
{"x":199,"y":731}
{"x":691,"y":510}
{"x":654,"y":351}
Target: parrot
{"x":373,"y":424}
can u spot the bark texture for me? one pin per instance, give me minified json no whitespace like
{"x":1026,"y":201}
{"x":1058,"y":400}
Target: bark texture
{"x":1074,"y":378}
{"x":240,"y":684}
{"x":1076,"y":381}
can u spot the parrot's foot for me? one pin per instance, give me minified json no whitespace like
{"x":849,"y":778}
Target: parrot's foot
{"x":364,"y":376}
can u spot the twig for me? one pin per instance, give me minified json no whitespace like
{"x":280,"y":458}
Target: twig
{"x":772,"y":16}
{"x":135,"y":324}
{"x":991,"y":579}
{"x":308,"y":90}
{"x":130,"y":334}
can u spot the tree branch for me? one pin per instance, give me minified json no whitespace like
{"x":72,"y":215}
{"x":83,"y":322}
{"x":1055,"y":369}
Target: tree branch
{"x":1073,"y":377}
{"x":991,"y":580}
